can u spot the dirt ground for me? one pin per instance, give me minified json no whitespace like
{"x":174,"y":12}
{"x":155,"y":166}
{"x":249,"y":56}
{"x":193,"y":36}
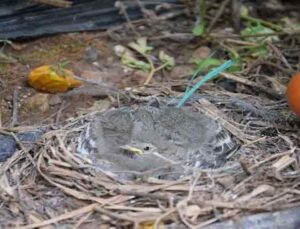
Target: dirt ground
{"x":89,"y":55}
{"x":51,"y":50}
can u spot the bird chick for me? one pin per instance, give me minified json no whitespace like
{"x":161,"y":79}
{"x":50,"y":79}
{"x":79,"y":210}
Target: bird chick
{"x":148,"y":138}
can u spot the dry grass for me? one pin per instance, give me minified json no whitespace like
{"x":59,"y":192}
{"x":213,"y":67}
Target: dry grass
{"x":261,"y":176}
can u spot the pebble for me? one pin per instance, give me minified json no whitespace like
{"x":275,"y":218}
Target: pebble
{"x":37,"y":103}
{"x":8,"y":145}
{"x":54,"y":100}
{"x":201,"y":53}
{"x":91,"y":54}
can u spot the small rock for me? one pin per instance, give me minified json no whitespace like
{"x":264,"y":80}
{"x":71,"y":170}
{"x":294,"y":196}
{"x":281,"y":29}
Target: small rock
{"x":226,"y":181}
{"x":110,"y":60}
{"x":91,"y":54}
{"x":29,"y":136}
{"x":100,"y":105}
{"x":54,"y":100}
{"x":37,"y":103}
{"x":201,"y":53}
{"x":138,"y":77}
{"x":93,"y":75}
{"x":8,"y":97}
{"x":192,"y":211}
{"x":8,"y":145}
{"x":181,"y":71}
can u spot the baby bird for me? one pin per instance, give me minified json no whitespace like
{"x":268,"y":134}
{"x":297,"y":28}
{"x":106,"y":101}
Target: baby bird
{"x":149,"y":138}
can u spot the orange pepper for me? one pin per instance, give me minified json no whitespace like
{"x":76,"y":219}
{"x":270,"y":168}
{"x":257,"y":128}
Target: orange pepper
{"x":52,"y":79}
{"x":293,"y":93}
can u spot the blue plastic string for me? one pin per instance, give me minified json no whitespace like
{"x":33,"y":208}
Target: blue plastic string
{"x":206,"y":78}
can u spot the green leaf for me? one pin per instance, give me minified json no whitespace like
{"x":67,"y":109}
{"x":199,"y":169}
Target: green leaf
{"x":234,"y":55}
{"x":141,"y":46}
{"x":259,"y":51}
{"x":244,"y":12}
{"x":198,"y":30}
{"x":131,"y":62}
{"x":128,"y":59}
{"x":258,"y":29}
{"x":63,"y":64}
{"x":206,"y":64}
{"x":167,"y":60}
{"x":236,"y":67}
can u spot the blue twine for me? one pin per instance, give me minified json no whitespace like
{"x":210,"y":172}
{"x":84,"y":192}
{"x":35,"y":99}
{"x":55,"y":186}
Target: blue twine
{"x":207,"y":77}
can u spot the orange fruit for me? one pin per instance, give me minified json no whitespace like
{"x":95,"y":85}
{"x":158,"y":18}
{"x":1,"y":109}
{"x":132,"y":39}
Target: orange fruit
{"x":293,"y":93}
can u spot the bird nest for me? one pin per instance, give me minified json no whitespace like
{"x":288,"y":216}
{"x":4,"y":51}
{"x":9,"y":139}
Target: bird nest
{"x":49,"y":184}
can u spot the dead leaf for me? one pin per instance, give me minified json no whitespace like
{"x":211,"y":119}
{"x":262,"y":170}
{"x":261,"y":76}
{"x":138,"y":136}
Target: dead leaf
{"x":52,"y":79}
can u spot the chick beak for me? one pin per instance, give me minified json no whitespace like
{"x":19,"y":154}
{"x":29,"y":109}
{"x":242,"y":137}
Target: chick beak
{"x":132,"y":149}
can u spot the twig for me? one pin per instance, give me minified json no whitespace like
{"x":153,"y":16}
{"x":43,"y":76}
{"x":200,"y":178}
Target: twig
{"x":116,"y":216}
{"x":163,"y":216}
{"x":15,"y":104}
{"x":58,"y":114}
{"x":153,"y":69}
{"x":281,"y":56}
{"x":56,"y":3}
{"x":183,"y":203}
{"x":0,"y":114}
{"x":82,"y":220}
{"x":255,"y":166}
{"x":219,"y":36}
{"x":154,"y":196}
{"x":97,"y":82}
{"x":23,"y":148}
{"x":263,"y":62}
{"x":68,"y":215}
{"x":266,"y":90}
{"x":147,"y":13}
{"x":218,"y":15}
{"x":122,"y":9}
